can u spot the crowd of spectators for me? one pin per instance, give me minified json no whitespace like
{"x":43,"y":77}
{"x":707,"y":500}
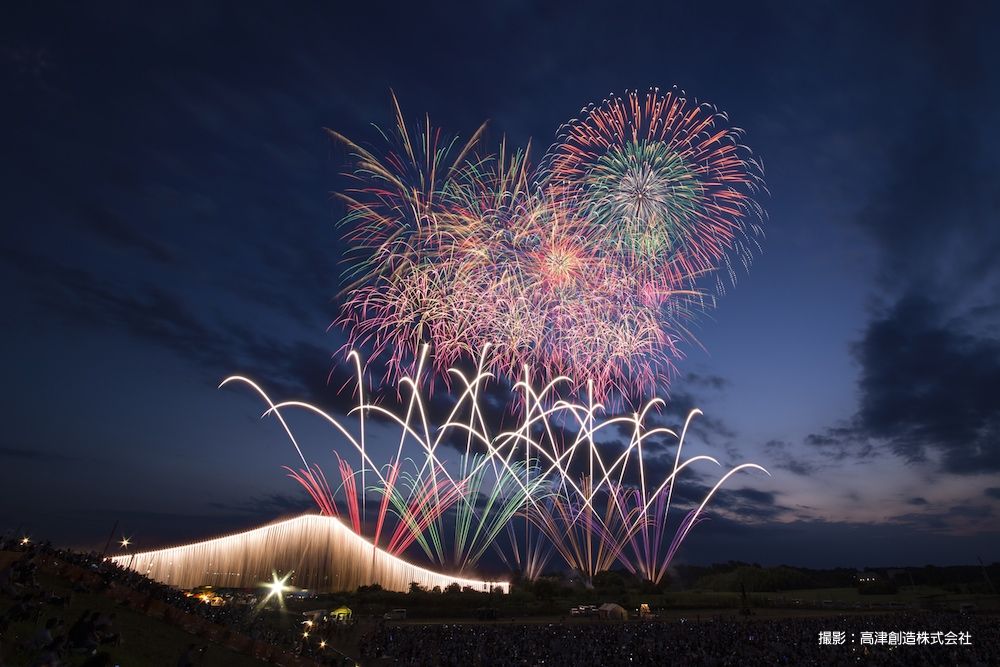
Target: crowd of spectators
{"x":718,"y":642}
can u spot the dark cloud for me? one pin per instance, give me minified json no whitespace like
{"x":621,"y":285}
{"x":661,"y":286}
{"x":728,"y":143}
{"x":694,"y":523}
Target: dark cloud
{"x":146,"y":311}
{"x":928,"y":371}
{"x":917,"y":500}
{"x":501,"y":410}
{"x":706,"y":381}
{"x":925,"y":392}
{"x":993,"y":492}
{"x":153,"y":314}
{"x":689,"y":392}
{"x":694,"y":485}
{"x":962,"y":518}
{"x":840,"y":443}
{"x":972,"y":511}
{"x":798,"y":467}
{"x":749,"y":502}
{"x":930,"y":389}
{"x":705,"y":428}
{"x":781,"y":458}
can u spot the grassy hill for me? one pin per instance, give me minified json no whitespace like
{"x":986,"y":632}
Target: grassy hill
{"x":145,"y":640}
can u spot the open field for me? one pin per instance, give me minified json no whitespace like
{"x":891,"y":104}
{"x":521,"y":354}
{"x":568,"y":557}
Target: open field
{"x":683,"y":604}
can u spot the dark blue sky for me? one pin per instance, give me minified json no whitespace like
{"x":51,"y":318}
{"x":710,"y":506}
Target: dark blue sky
{"x":168,"y":222}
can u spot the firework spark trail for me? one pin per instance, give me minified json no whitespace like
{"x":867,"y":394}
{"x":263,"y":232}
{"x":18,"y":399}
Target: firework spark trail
{"x":582,"y":501}
{"x":315,"y":484}
{"x":350,"y":492}
{"x":664,"y":180}
{"x":589,"y":266}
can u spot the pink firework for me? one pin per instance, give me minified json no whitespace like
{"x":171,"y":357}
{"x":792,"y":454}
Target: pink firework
{"x":665,"y":181}
{"x":588,"y":268}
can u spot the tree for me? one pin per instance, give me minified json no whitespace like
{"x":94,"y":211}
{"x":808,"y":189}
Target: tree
{"x":609,"y":581}
{"x":545,"y":588}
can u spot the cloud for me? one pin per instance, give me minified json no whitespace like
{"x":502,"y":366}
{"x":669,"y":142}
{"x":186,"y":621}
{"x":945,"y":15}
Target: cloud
{"x":993,"y":492}
{"x":930,"y":366}
{"x":298,"y":369}
{"x":926,"y":388}
{"x":798,"y":467}
{"x":960,"y":519}
{"x":780,"y":450}
{"x":500,"y":408}
{"x":929,"y":389}
{"x":705,"y":428}
{"x":839,"y":443}
{"x":218,"y":347}
{"x":706,"y":381}
{"x":747,"y":504}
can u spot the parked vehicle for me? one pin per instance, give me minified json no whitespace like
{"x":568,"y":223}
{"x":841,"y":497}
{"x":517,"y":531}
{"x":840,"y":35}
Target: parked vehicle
{"x":584,"y":610}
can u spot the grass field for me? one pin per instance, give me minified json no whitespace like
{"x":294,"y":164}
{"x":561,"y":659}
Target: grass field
{"x":145,"y":640}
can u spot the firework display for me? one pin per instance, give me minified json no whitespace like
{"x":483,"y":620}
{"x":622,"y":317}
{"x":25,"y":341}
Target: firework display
{"x":578,"y":278}
{"x":591,"y":266}
{"x":548,"y":485}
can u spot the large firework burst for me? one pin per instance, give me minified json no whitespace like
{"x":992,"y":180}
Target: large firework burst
{"x":590,"y":267}
{"x":666,"y":183}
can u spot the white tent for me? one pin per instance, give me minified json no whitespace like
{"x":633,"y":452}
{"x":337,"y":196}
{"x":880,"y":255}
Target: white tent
{"x":612,"y":611}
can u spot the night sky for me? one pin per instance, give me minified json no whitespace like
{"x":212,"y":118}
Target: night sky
{"x":168,"y":221}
